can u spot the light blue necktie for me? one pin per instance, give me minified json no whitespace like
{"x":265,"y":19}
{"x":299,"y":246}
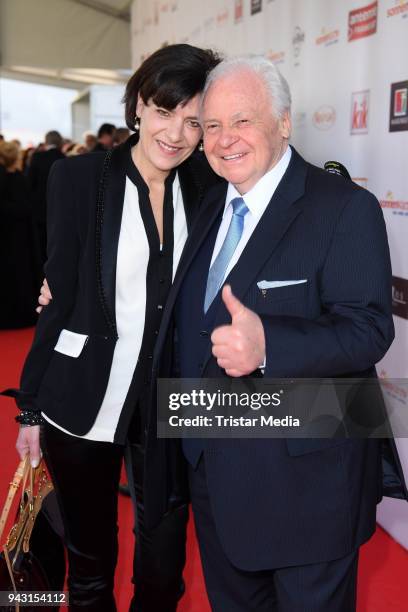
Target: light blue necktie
{"x":217,"y":270}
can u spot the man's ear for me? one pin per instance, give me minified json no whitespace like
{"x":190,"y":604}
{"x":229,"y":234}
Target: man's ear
{"x":286,"y":125}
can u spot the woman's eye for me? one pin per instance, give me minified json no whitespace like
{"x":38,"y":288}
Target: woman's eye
{"x":162,"y":112}
{"x":194,"y":124}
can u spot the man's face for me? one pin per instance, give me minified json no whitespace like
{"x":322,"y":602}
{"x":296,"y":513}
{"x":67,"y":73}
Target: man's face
{"x":107,"y":140}
{"x":243,"y":139}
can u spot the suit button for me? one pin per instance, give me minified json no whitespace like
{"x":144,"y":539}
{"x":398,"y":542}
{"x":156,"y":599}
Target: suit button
{"x":203,"y":332}
{"x":160,"y":307}
{"x":161,"y":281}
{"x":156,"y":331}
{"x":150,"y":356}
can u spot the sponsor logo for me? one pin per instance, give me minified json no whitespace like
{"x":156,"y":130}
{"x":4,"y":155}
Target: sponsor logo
{"x":328,"y":38}
{"x":297,"y":42}
{"x":399,"y":107}
{"x":256,"y":6}
{"x":238,"y":10}
{"x":363,"y":21}
{"x":400,"y":8}
{"x":277,"y":57}
{"x":222,"y":17}
{"x":360,"y":180}
{"x":397,"y":207}
{"x":324,"y":118}
{"x":400,"y":297}
{"x":359,"y":112}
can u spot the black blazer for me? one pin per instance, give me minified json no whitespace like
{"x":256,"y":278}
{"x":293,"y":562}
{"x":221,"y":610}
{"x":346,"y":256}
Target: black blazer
{"x":85,"y":201}
{"x":300,"y":501}
{"x":38,"y":171}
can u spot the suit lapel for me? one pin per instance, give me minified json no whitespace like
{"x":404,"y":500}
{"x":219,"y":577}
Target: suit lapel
{"x":279,"y":215}
{"x":110,"y":207}
{"x":209,"y":212}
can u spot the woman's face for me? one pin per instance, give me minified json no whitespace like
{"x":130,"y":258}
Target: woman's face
{"x":167,"y":137}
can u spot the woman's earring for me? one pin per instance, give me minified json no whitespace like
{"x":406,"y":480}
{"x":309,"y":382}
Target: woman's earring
{"x":137,"y":123}
{"x":201,"y":146}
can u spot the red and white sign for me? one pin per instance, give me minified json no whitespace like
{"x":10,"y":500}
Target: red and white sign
{"x":363,"y":21}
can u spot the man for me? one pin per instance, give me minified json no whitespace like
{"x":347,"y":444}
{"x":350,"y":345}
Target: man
{"x":121,"y":135}
{"x":106,"y":137}
{"x":279,"y":522}
{"x":38,"y":172}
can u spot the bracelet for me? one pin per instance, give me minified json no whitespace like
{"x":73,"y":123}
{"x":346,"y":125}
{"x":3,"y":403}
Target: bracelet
{"x":30,"y":418}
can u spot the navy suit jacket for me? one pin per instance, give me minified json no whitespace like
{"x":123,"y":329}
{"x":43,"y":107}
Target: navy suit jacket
{"x":289,"y":502}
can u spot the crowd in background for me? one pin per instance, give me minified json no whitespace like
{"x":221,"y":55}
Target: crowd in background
{"x":23,"y":212}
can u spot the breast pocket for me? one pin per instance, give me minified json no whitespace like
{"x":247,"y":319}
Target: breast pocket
{"x":280,"y":299}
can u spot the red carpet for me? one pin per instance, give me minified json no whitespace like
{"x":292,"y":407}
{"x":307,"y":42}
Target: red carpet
{"x":383,"y":567}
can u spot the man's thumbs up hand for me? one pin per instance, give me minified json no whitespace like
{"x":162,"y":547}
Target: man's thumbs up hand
{"x":240,"y":346}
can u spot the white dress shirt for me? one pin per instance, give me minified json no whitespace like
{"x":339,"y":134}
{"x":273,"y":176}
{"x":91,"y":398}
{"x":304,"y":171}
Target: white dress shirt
{"x":256,"y":199}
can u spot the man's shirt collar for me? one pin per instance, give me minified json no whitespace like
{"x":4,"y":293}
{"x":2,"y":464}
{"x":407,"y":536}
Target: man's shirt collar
{"x":258,"y":198}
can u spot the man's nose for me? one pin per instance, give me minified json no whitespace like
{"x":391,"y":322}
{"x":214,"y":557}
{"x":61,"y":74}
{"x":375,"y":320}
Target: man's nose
{"x":228,"y":136}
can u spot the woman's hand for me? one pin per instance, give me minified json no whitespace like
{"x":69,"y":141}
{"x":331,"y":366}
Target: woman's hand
{"x":45,"y":296}
{"x":28,"y":441}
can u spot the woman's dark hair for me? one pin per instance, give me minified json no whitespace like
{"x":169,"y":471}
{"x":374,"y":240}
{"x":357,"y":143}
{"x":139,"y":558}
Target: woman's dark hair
{"x":169,"y":77}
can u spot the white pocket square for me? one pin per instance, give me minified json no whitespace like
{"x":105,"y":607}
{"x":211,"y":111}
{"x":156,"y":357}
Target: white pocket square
{"x":70,"y":343}
{"x":284,"y":283}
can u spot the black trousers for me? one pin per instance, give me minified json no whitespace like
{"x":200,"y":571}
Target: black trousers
{"x":319,"y":587}
{"x":86,"y":478}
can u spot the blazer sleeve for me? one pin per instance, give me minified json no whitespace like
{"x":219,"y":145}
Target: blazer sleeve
{"x":355,"y":328}
{"x":61,"y":271}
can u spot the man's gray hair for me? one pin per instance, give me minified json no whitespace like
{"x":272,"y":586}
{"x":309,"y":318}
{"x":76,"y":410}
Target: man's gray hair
{"x":276,"y":84}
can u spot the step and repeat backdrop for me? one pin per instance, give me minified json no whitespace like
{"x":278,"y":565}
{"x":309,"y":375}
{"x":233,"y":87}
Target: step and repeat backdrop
{"x":347,"y":65}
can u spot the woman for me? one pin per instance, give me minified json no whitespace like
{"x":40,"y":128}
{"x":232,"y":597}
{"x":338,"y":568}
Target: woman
{"x":117,"y":224}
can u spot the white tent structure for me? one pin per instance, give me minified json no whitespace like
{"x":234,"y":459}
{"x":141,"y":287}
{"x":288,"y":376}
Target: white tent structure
{"x":65,"y":42}
{"x":82,"y":45}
